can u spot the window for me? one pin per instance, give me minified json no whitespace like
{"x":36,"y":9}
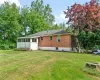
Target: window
{"x":27,"y":40}
{"x":34,"y":40}
{"x":56,"y":48}
{"x":41,"y":38}
{"x":58,"y":38}
{"x":19,"y":40}
{"x":23,"y":40}
{"x":50,"y":37}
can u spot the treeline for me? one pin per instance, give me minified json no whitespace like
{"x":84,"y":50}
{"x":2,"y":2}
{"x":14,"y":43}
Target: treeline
{"x":16,"y":21}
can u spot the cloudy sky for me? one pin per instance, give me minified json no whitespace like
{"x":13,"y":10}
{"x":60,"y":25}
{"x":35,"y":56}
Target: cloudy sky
{"x":58,"y":6}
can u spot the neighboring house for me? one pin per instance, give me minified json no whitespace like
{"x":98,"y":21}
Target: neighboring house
{"x":46,"y":40}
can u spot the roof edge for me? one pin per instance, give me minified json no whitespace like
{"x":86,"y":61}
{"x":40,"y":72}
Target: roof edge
{"x":44,"y":35}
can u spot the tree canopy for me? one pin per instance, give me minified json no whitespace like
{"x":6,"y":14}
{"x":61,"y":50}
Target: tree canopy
{"x":85,"y":21}
{"x":9,"y":22}
{"x":85,"y":16}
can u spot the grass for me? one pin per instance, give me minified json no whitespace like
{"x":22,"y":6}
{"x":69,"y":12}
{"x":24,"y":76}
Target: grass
{"x":45,"y":65}
{"x":91,"y":71}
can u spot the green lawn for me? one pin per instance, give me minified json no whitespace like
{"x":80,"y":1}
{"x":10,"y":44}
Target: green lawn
{"x":44,"y":65}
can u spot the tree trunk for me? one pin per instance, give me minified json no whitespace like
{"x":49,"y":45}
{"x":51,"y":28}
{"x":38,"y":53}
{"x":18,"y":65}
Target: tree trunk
{"x":78,"y":45}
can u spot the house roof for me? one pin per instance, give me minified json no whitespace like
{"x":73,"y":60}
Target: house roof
{"x":46,"y":33}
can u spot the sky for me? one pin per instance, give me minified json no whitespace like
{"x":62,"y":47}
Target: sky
{"x":58,"y":6}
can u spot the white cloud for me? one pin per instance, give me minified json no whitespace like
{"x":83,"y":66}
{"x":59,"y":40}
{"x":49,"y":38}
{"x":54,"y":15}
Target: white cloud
{"x":11,"y":1}
{"x":60,"y":18}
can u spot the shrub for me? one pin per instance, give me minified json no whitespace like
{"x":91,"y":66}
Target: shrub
{"x":97,"y":47}
{"x":7,"y":46}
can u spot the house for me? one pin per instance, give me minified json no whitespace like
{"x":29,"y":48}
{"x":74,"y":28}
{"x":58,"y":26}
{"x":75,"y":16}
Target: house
{"x":46,"y":40}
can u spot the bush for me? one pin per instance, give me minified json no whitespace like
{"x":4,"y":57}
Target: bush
{"x":12,"y":46}
{"x":96,"y":47}
{"x":6,"y":46}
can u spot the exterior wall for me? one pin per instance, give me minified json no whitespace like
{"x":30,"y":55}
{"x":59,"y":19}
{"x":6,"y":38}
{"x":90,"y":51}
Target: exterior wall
{"x":28,"y":45}
{"x":54,"y":48}
{"x":47,"y":48}
{"x":63,"y":45}
{"x":64,"y":49}
{"x":34,"y":45}
{"x":23,"y":45}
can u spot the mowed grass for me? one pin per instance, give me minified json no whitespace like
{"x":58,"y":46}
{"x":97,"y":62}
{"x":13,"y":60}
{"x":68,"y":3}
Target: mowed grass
{"x":45,"y":65}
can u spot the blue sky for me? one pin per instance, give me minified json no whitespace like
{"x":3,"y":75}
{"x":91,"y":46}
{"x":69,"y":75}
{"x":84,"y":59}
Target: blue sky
{"x":58,"y":6}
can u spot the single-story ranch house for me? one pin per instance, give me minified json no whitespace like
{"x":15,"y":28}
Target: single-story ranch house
{"x":46,"y":40}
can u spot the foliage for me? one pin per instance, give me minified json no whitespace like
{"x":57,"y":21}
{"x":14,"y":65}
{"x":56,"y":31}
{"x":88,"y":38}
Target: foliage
{"x":97,"y":47}
{"x":58,"y":26}
{"x":36,"y":22}
{"x":9,"y":24}
{"x":9,"y":21}
{"x":24,"y":21}
{"x":84,"y":17}
{"x":85,"y":20}
{"x":89,"y":40}
{"x":16,"y":21}
{"x":44,"y":11}
{"x":6,"y":45}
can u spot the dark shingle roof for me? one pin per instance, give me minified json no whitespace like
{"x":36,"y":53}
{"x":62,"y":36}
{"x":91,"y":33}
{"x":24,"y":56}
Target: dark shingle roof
{"x":46,"y":33}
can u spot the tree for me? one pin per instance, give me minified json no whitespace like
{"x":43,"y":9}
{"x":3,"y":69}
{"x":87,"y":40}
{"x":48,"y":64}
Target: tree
{"x":10,"y":25}
{"x":36,"y":22}
{"x":62,"y":25}
{"x":43,"y":10}
{"x":54,"y":27}
{"x":84,"y":17}
{"x":9,"y":21}
{"x":24,"y":19}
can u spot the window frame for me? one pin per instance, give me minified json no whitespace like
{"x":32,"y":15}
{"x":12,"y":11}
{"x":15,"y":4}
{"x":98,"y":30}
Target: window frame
{"x":19,"y":40}
{"x":28,"y":39}
{"x":50,"y":38}
{"x":41,"y":38}
{"x":58,"y":38}
{"x":24,"y":40}
{"x":34,"y":40}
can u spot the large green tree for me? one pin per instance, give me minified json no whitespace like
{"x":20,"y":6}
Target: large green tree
{"x":9,"y":22}
{"x":37,"y":18}
{"x":32,"y":21}
{"x":44,"y":10}
{"x":25,"y":11}
{"x":36,"y":22}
